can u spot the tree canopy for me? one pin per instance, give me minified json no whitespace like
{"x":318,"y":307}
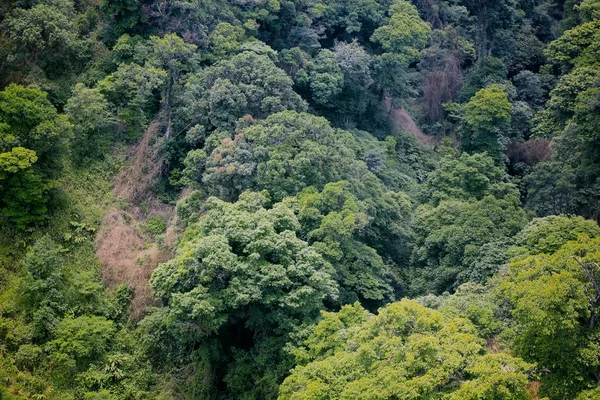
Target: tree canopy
{"x":278,"y":199}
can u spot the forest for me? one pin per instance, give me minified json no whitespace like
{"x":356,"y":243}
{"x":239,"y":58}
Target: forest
{"x":300,"y":199}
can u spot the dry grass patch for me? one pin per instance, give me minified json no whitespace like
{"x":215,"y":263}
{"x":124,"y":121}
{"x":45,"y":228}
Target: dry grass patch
{"x":128,"y":253}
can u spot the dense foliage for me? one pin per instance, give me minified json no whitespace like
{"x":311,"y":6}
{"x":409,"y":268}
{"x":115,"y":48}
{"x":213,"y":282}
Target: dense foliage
{"x":384,"y":199}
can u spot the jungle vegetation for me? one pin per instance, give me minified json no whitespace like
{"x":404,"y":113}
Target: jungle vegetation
{"x":300,"y":199}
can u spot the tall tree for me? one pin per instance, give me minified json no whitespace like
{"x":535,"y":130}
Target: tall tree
{"x":326,"y":79}
{"x":492,"y":17}
{"x":89,"y":112}
{"x":554,"y":300}
{"x":244,"y":279}
{"x":485,"y":122}
{"x":246,"y":84}
{"x":33,"y":142}
{"x":171,"y":54}
{"x":406,"y":350}
{"x":401,"y":40}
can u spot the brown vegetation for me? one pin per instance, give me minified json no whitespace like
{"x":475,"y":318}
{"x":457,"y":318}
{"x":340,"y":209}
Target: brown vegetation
{"x":125,"y":259}
{"x":493,"y":345}
{"x":135,"y":181}
{"x":530,"y":152}
{"x":441,"y":87}
{"x":401,"y":120}
{"x":533,"y":388}
{"x":127,"y":253}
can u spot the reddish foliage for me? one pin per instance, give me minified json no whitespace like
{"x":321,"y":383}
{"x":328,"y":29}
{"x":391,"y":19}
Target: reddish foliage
{"x":530,"y":152}
{"x":441,"y":87}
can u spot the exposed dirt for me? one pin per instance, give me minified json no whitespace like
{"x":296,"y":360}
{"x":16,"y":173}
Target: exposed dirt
{"x":401,"y":119}
{"x":128,"y":254}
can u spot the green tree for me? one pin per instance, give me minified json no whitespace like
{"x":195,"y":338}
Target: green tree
{"x":405,"y":34}
{"x":488,"y":71}
{"x":290,"y":151}
{"x":125,"y":14}
{"x":326,"y":79}
{"x":592,"y":394}
{"x":402,"y":41}
{"x":571,"y":117}
{"x":89,"y":112}
{"x":355,"y":17}
{"x":283,"y":154}
{"x":41,"y":290}
{"x":146,"y":79}
{"x":225,"y":40}
{"x":79,"y":342}
{"x":32,"y":122}
{"x":47,"y":44}
{"x":521,"y":51}
{"x":475,"y":302}
{"x":24,"y":194}
{"x":560,"y":108}
{"x":529,"y":88}
{"x":406,"y":350}
{"x":245,"y":84}
{"x":551,"y":189}
{"x":242,"y":269}
{"x":554,"y":304}
{"x":589,"y":10}
{"x":394,"y":79}
{"x":451,"y":236}
{"x":547,"y":235}
{"x":355,"y":64}
{"x":485,"y":121}
{"x":330,"y":221}
{"x":467,"y":177}
{"x":33,"y":142}
{"x":132,"y":90}
{"x":493,"y":18}
{"x":576,"y":48}
{"x":177,"y":58}
{"x":495,"y":376}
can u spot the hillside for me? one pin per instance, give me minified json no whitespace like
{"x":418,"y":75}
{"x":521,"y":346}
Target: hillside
{"x":284,"y":199}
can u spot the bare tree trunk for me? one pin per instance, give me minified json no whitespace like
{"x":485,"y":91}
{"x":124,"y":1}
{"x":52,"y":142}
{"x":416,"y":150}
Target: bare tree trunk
{"x":167,"y":105}
{"x":592,"y":279}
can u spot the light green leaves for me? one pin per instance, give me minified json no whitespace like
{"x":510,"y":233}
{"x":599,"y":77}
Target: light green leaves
{"x":241,"y":257}
{"x":33,"y":141}
{"x":406,"y":33}
{"x":486,"y":120}
{"x":553,"y":302}
{"x":19,"y":158}
{"x":406,"y":351}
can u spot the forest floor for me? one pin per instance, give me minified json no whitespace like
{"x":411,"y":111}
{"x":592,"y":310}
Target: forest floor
{"x":128,"y":252}
{"x":402,"y":120}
